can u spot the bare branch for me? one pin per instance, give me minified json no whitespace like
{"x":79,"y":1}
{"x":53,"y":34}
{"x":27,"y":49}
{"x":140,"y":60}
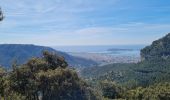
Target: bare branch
{"x":1,"y":15}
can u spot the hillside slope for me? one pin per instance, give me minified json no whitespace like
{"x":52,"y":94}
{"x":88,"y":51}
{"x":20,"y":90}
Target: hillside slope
{"x":21,"y":53}
{"x":158,"y":49}
{"x":155,"y":67}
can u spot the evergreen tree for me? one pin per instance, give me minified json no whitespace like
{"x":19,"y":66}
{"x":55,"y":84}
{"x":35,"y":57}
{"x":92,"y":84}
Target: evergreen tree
{"x":49,"y":78}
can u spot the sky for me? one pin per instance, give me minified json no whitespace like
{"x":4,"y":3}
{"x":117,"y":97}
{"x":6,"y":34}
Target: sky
{"x":84,"y":22}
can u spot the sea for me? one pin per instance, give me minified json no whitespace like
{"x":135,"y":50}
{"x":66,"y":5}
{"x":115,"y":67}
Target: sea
{"x":103,"y":49}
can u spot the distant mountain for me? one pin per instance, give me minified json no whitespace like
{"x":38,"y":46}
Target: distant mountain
{"x":159,"y":49}
{"x":21,"y":53}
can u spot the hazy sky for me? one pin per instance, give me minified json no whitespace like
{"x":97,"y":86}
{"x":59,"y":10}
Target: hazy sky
{"x":84,"y":22}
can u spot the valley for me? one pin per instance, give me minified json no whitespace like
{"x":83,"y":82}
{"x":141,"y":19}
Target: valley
{"x":104,"y":55}
{"x":84,"y":50}
{"x":115,"y":73}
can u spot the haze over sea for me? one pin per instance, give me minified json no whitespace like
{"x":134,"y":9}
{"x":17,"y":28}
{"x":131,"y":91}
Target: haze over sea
{"x":105,"y":54}
{"x":103,"y":49}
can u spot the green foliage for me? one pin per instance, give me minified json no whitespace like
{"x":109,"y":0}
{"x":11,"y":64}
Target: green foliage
{"x":159,"y":49}
{"x":2,"y":81}
{"x":54,"y":61}
{"x":131,"y":76}
{"x":47,"y":78}
{"x":63,"y":84}
{"x":94,"y":72}
{"x":110,"y":89}
{"x":159,"y":91}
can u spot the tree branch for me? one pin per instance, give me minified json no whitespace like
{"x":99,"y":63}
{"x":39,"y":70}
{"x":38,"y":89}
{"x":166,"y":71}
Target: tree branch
{"x":1,"y":15}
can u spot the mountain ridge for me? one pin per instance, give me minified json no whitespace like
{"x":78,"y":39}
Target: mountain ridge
{"x":23,"y":52}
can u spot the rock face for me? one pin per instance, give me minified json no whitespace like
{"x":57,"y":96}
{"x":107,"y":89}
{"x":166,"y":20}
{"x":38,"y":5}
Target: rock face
{"x":22,"y":53}
{"x":159,"y":49}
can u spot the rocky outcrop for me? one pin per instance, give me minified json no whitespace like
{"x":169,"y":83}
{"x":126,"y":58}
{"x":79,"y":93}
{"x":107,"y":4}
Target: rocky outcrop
{"x":159,"y":49}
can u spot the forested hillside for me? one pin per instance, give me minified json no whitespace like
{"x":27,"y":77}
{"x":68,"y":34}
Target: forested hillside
{"x":153,"y":69}
{"x":10,"y":53}
{"x":159,"y":49}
